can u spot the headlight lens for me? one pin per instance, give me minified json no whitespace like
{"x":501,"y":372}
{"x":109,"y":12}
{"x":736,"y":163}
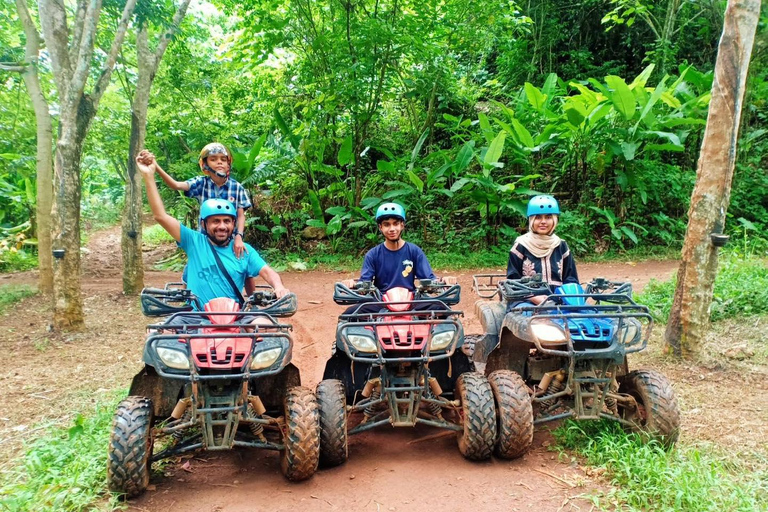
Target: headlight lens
{"x":175,"y":359}
{"x":630,"y":331}
{"x":265,"y":358}
{"x":441,"y":340}
{"x":362,"y":343}
{"x":548,"y":333}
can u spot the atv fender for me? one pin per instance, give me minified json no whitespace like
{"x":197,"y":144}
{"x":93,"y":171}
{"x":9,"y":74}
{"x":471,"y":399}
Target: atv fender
{"x":491,"y":315}
{"x":272,"y":388}
{"x":512,"y":351}
{"x":164,"y":393}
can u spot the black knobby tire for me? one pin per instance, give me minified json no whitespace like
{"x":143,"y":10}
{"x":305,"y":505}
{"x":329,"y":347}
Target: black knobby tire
{"x":514,"y":414}
{"x":479,"y":413}
{"x":302,"y":435}
{"x":657,"y":414}
{"x":333,"y":422}
{"x":130,"y":446}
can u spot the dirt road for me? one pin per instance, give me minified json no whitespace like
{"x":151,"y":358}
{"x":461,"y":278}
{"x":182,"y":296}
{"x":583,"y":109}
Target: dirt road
{"x":387,"y":470}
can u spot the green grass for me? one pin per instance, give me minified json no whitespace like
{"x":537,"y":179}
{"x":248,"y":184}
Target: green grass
{"x":646,"y":476}
{"x":16,"y":261}
{"x":155,"y":235}
{"x":65,"y":469}
{"x":13,"y":293}
{"x":741,"y":289}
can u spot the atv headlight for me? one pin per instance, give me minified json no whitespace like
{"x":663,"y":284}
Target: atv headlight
{"x":265,"y":358}
{"x":548,"y":333}
{"x":630,"y":331}
{"x":441,"y":340}
{"x":362,"y":343}
{"x":171,"y":358}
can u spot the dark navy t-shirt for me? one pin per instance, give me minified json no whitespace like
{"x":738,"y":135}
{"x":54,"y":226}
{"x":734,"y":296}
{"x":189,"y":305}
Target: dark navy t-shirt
{"x":391,"y":269}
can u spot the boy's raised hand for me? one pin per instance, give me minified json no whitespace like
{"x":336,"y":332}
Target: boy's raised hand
{"x":145,"y":161}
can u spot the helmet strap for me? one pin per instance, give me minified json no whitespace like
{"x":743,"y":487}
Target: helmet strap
{"x":207,"y":168}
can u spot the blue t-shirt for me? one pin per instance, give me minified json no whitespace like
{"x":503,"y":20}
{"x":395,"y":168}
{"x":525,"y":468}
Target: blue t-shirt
{"x":203,"y":275}
{"x":392,"y":269}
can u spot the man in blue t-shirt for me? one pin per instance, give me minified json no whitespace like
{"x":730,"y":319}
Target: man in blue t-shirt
{"x":395,"y":262}
{"x":206,"y":280}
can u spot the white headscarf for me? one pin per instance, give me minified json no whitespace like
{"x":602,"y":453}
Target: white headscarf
{"x":540,"y":246}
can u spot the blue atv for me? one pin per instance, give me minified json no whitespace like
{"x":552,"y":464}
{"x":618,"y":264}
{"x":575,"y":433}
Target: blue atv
{"x":571,"y":352}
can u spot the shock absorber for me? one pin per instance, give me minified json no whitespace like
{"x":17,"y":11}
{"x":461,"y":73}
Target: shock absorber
{"x":556,"y":385}
{"x":370,"y":410}
{"x":257,"y":429}
{"x":610,"y":402}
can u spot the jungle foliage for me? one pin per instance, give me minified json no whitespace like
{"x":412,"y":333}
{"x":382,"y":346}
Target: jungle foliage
{"x":458,"y":109}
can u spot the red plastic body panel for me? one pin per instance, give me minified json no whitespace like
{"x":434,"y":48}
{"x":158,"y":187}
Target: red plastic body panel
{"x":396,"y":336}
{"x":221,"y":353}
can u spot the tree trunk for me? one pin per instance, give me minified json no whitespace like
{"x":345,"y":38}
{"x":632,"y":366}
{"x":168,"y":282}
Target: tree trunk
{"x":70,"y":54}
{"x":133,"y":262}
{"x":689,"y":317}
{"x":44,"y":149}
{"x":68,"y":303}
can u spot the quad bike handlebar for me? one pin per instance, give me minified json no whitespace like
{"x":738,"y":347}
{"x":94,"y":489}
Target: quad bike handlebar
{"x":365,"y":291}
{"x":172,"y":299}
{"x":264,"y":300}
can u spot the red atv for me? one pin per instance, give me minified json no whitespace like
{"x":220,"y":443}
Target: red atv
{"x":214,"y":381}
{"x":398,"y":361}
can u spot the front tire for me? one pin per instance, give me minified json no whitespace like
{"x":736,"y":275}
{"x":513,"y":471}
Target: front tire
{"x":301,"y":454}
{"x":334,"y":447}
{"x":479,"y":414}
{"x":514,"y":414}
{"x":657,"y":413}
{"x":130,"y":446}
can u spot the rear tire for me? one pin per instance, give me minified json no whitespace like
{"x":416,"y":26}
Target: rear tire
{"x":130,"y":446}
{"x":334,"y":447}
{"x":479,"y":414}
{"x":514,"y":414}
{"x":657,"y":414}
{"x":302,"y":435}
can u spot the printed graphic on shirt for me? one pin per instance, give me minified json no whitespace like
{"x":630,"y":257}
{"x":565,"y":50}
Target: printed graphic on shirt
{"x":408,"y":264}
{"x":210,"y":274}
{"x":528,"y":268}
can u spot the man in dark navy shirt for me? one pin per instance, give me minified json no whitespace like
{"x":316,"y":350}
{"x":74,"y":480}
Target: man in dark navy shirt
{"x":395,"y":262}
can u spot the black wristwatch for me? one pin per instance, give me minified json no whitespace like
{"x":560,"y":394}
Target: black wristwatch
{"x":235,"y":233}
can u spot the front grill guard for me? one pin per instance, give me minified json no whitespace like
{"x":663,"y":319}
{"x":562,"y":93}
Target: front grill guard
{"x":369,"y":320}
{"x":392,"y":396}
{"x":233,"y":407}
{"x":588,"y":404}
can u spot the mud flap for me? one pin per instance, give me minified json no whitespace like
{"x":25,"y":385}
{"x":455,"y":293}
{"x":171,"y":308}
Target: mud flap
{"x":164,"y":393}
{"x":512,"y":352}
{"x":446,"y":371}
{"x":340,"y":367}
{"x":491,"y":315}
{"x":271,"y":389}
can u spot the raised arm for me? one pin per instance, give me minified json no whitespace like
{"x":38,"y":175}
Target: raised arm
{"x":169,"y":223}
{"x":149,"y":159}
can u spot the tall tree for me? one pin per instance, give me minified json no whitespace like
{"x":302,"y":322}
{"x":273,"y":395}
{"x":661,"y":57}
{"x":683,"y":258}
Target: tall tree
{"x":71,"y":50}
{"x":29,"y":71}
{"x":147,"y":63}
{"x":689,"y":317}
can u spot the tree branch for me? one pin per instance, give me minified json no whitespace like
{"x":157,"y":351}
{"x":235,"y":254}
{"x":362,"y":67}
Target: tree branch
{"x":166,"y":38}
{"x":13,"y":67}
{"x":117,"y":43}
{"x":84,"y":53}
{"x":79,"y":24}
{"x":56,"y":35}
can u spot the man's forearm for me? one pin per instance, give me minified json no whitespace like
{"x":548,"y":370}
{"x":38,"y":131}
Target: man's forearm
{"x":170,"y":224}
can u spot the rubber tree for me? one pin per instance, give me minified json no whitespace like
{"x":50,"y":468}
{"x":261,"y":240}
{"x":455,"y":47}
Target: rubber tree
{"x":689,"y":317}
{"x":147,"y":64}
{"x":44,"y":166}
{"x":71,"y":45}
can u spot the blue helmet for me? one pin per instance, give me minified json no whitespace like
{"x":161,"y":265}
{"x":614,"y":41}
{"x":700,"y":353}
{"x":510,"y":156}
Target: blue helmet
{"x":212,"y":207}
{"x":543,"y":205}
{"x":390,"y":211}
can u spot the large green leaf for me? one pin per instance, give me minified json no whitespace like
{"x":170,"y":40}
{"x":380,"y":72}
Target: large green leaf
{"x":464,"y":157}
{"x":485,"y":126}
{"x":417,"y":182}
{"x":334,"y":226}
{"x":621,"y":96}
{"x":417,"y":148}
{"x":574,"y":116}
{"x":535,"y":97}
{"x":255,"y":150}
{"x":384,"y":165}
{"x":336,"y":210}
{"x":315,"y":202}
{"x":523,"y":135}
{"x":628,"y":149}
{"x":495,"y":149}
{"x":642,"y":78}
{"x":285,"y":130}
{"x":345,"y":151}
